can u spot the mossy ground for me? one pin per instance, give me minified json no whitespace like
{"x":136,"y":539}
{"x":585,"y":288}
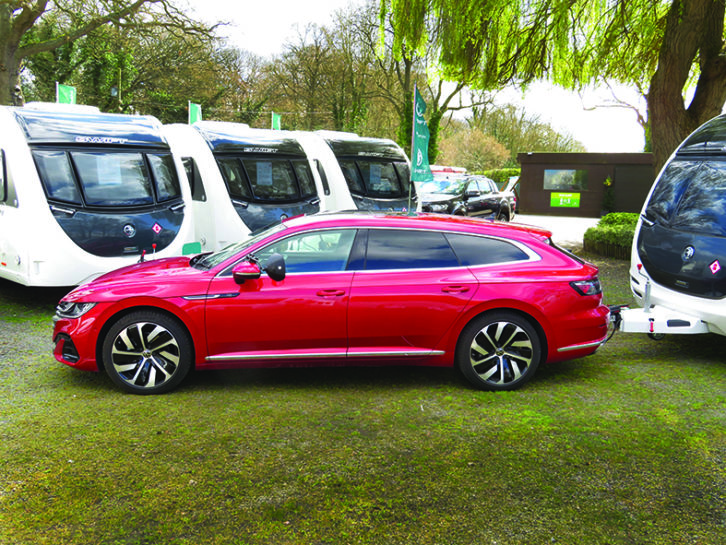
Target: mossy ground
{"x":623,"y":447}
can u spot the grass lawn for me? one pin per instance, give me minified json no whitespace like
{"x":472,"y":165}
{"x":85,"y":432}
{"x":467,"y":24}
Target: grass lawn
{"x":625,"y":446}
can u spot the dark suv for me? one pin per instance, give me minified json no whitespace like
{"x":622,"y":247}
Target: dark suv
{"x":465,"y":196}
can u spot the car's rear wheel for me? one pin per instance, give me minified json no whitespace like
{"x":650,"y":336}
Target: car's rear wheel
{"x":147,"y":352}
{"x":498,"y":351}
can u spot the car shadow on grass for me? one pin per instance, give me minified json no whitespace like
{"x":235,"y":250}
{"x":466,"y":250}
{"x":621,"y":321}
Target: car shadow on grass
{"x":314,"y":378}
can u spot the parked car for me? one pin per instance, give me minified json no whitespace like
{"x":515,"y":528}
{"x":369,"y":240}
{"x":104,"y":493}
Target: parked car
{"x":494,"y":300}
{"x":511,"y":190}
{"x":466,"y":196}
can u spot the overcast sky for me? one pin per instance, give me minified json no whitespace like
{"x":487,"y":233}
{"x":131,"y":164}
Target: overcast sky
{"x":263,"y":26}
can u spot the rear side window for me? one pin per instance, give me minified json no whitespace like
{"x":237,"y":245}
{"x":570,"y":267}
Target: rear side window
{"x":472,"y":250}
{"x":400,"y":249}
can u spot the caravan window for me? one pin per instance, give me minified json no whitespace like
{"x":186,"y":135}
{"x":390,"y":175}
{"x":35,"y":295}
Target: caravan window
{"x":271,"y":180}
{"x":3,"y":184}
{"x":57,"y":176}
{"x":702,"y":209}
{"x":378,"y":179}
{"x":304,"y":178}
{"x":167,"y":184}
{"x":107,"y":178}
{"x":113,"y":179}
{"x":267,"y":179}
{"x":234,"y":177}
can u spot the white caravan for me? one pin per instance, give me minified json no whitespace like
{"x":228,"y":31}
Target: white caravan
{"x":83,"y":192}
{"x":374,"y":173}
{"x":678,"y":259}
{"x":244,"y":179}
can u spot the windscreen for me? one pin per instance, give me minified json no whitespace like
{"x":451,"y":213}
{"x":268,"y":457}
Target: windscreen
{"x":107,"y":179}
{"x":376,"y":178}
{"x":267,"y":179}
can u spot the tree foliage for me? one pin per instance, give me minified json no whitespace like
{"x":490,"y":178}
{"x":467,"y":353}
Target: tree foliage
{"x":659,"y":45}
{"x":71,"y":20}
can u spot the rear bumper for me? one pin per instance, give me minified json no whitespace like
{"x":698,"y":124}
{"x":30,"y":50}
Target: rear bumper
{"x":659,"y":319}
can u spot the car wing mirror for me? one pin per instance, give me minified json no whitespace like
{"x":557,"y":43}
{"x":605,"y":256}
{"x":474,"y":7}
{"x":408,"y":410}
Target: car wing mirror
{"x":275,"y":267}
{"x":472,"y":193}
{"x":246,"y":270}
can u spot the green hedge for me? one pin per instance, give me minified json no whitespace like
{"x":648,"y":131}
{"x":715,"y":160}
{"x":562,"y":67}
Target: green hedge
{"x":613,"y":235}
{"x":501,"y":175}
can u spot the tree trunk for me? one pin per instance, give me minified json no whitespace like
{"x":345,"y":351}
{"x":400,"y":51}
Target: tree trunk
{"x":694,"y":31}
{"x":9,"y":62}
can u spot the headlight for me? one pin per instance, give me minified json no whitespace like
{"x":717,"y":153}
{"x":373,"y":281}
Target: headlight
{"x":72,"y":310}
{"x":439,"y":207}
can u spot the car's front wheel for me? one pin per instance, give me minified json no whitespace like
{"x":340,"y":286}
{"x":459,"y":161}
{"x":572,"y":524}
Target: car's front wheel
{"x":498,"y":351}
{"x":147,"y":352}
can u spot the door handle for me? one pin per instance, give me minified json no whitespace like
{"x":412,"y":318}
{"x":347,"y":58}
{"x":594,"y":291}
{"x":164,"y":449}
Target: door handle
{"x":455,"y":289}
{"x":330,"y":293}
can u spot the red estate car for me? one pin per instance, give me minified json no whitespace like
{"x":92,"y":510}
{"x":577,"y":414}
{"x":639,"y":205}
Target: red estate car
{"x":493,"y":299}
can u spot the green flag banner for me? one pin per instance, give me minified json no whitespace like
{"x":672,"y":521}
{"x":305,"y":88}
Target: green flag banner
{"x":195,"y":112}
{"x":65,"y":94}
{"x":275,"y":121}
{"x":420,"y":169}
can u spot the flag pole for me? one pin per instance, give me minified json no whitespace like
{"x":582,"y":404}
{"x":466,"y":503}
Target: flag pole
{"x":413,"y":137}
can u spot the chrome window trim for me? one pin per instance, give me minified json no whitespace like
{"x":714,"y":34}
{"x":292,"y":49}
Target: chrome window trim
{"x":532,"y":255}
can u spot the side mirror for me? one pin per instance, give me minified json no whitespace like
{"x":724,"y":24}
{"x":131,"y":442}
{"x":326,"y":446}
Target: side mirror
{"x":247,"y":270}
{"x":472,"y":193}
{"x":275,"y":267}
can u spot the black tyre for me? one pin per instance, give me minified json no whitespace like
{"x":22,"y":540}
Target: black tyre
{"x":498,"y":351}
{"x":147,"y":352}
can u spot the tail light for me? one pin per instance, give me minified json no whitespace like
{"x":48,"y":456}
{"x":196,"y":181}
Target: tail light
{"x":587,"y":287}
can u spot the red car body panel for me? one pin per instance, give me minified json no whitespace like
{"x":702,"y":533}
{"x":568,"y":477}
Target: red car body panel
{"x":405,"y":310}
{"x":346,"y":317}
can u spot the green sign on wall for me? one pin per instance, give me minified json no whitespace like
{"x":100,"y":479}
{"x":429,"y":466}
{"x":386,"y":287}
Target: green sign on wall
{"x":565,"y":200}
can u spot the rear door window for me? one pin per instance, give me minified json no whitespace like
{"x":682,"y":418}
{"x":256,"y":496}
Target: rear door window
{"x":401,"y":249}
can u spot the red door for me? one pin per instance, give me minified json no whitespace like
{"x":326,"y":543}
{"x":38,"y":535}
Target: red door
{"x":405,"y":313}
{"x":304,"y":315}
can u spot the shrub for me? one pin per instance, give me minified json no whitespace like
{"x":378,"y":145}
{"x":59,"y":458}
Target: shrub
{"x":501,"y":175}
{"x":619,"y":218}
{"x":613,"y":235}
